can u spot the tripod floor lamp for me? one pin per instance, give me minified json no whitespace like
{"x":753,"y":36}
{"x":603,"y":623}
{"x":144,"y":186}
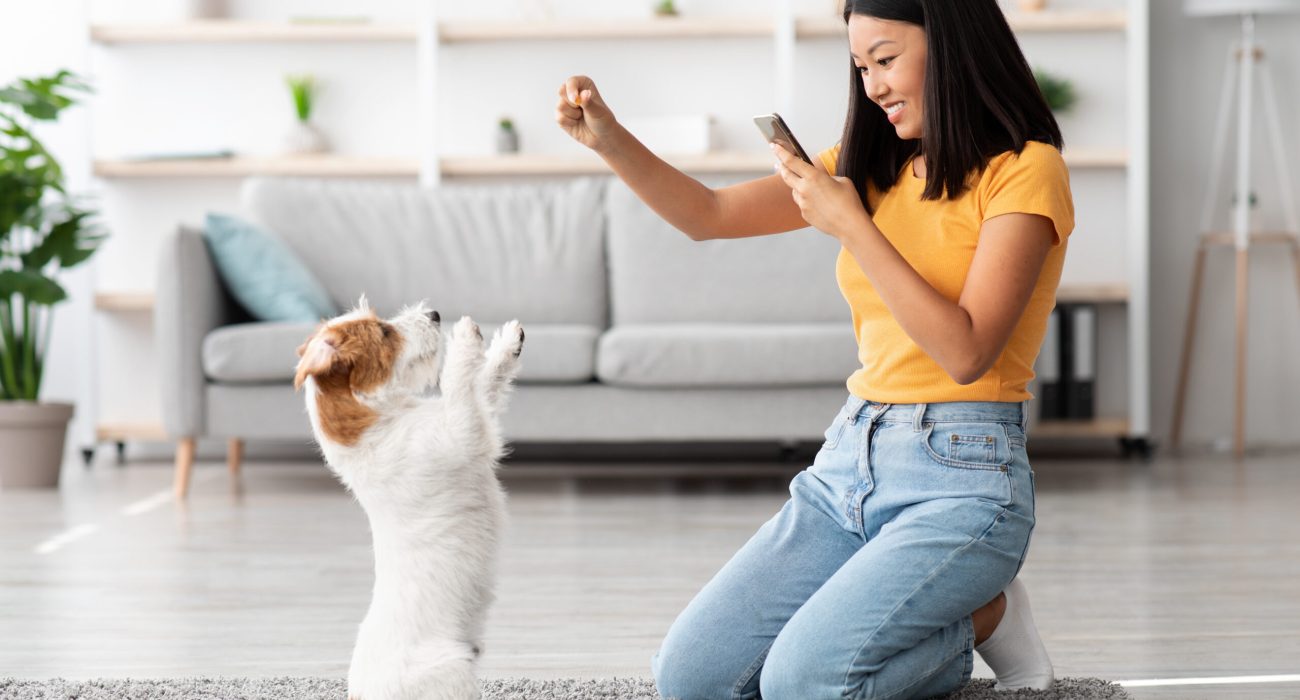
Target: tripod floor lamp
{"x":1244,"y":60}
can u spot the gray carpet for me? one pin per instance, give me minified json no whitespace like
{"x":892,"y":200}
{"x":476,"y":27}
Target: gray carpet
{"x":513,"y":689}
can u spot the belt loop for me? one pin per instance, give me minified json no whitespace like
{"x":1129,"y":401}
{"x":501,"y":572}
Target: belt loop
{"x":1024,"y":416}
{"x":917,"y":415}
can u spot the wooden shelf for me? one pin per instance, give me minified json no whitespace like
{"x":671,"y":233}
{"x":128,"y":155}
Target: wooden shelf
{"x":1092,"y":294}
{"x":1095,"y":428}
{"x":235,"y":31}
{"x":124,"y":301}
{"x":528,"y":164}
{"x":120,"y":432}
{"x":617,"y":29}
{"x":239,"y":166}
{"x":461,"y":31}
{"x":524,"y":164}
{"x":1046,"y":21}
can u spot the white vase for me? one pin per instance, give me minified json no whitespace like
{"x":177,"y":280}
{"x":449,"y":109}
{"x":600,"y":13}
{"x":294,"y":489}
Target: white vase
{"x":303,"y":138}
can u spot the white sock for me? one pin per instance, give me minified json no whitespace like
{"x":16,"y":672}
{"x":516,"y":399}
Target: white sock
{"x":1014,"y":651}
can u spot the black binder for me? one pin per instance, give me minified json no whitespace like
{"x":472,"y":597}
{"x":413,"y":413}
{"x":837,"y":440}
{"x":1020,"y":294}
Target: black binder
{"x":1048,"y":370}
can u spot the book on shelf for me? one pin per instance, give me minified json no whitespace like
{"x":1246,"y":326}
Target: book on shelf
{"x":1048,"y":369}
{"x":1079,"y":389}
{"x":1067,"y":364}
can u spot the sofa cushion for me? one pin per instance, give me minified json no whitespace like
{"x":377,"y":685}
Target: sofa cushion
{"x":726,"y":354}
{"x":266,"y":352}
{"x":658,"y":275}
{"x":532,"y":252}
{"x":262,"y":273}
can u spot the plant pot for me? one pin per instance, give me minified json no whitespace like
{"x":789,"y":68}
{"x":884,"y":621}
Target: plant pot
{"x":303,"y":138}
{"x":507,"y":141}
{"x":31,"y":443}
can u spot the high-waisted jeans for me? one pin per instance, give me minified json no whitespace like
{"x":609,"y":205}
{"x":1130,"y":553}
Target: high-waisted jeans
{"x":862,"y":586}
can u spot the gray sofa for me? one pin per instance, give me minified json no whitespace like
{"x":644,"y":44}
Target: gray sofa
{"x":635,"y":332}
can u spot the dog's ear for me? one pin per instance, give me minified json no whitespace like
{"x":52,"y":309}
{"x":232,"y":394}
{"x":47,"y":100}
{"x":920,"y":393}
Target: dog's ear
{"x":319,"y":355}
{"x":303,"y":348}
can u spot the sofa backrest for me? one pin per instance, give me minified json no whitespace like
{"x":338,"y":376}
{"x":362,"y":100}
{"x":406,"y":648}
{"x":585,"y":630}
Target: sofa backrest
{"x":659,"y":275}
{"x":497,"y":252}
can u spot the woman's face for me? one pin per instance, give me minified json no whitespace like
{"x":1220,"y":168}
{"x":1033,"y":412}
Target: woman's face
{"x":890,"y":58}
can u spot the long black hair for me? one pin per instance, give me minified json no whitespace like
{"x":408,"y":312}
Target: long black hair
{"x":980,"y":96}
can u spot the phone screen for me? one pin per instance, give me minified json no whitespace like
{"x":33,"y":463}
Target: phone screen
{"x":774,"y":129}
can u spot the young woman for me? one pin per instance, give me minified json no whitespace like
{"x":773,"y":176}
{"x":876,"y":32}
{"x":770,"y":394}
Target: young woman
{"x":896,"y":556}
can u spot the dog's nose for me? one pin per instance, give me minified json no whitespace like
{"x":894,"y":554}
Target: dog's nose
{"x":433,"y":316}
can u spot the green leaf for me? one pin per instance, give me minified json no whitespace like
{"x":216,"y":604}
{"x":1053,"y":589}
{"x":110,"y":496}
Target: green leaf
{"x":71,"y":242}
{"x":34,"y":287}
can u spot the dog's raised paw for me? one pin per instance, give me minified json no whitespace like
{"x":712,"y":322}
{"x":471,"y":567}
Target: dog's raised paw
{"x":467,"y":329}
{"x":509,"y":338}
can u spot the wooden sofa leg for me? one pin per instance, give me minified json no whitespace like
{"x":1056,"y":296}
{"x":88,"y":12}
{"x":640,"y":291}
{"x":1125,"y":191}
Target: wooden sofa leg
{"x":234,"y":456}
{"x":184,"y":466}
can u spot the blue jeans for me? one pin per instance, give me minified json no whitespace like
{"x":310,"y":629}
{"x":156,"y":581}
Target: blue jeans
{"x":862,"y":586}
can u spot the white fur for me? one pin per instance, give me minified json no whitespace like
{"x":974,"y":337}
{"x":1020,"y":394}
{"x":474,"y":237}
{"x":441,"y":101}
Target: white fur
{"x":425,"y":475}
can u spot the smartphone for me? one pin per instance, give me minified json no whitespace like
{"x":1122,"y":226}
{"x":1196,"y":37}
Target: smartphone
{"x":775,"y":131}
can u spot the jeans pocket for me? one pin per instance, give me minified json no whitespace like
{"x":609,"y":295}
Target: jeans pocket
{"x":968,"y":445}
{"x":836,"y":429}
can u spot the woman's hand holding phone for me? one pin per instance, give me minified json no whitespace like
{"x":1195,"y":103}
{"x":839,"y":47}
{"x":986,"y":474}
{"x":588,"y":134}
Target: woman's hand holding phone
{"x":828,"y":203}
{"x":583,"y":114}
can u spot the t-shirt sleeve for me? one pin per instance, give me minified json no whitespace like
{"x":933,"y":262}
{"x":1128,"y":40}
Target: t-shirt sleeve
{"x":1036,"y":181}
{"x":830,"y":158}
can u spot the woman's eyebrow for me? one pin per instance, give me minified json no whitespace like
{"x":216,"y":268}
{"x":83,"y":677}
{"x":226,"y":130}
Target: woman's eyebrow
{"x":874,"y":46}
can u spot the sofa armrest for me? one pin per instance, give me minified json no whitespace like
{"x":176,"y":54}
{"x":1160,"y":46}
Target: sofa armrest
{"x":190,"y":302}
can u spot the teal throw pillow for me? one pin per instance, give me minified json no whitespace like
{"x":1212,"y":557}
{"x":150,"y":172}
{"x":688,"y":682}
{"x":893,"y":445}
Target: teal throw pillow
{"x":263,"y":274}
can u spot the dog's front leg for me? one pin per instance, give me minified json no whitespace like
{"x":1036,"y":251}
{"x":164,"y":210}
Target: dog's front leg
{"x":501,"y":366}
{"x":464,"y":362}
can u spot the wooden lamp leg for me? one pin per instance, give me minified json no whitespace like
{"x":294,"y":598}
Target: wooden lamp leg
{"x":184,"y":466}
{"x":1243,"y":268}
{"x":1189,"y":337}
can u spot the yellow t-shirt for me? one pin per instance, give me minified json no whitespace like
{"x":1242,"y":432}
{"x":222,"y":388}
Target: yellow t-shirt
{"x":938,"y":238}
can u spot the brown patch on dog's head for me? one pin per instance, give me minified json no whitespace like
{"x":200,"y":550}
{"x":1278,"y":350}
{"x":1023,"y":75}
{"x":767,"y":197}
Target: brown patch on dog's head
{"x":355,"y":353}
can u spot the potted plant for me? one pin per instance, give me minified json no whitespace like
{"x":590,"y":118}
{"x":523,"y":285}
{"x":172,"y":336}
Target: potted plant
{"x":1058,"y":92}
{"x":303,"y":136}
{"x":507,"y":137}
{"x":666,"y":8}
{"x":42,"y":232}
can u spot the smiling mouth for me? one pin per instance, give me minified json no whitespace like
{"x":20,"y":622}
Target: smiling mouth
{"x":893,"y":109}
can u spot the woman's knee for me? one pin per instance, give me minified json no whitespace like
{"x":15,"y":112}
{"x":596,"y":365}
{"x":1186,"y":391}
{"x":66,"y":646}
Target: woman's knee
{"x":701,"y":671}
{"x":799,"y":670}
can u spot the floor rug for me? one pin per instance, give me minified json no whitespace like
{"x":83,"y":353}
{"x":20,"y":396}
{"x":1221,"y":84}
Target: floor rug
{"x":511,"y":689}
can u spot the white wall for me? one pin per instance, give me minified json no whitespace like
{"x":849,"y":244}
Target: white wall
{"x":154,"y":98}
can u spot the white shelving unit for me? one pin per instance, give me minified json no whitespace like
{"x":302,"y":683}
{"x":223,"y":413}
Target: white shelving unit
{"x":784,"y":29}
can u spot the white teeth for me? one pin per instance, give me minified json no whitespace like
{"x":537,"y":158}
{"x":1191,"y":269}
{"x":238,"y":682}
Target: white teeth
{"x":894,"y":108}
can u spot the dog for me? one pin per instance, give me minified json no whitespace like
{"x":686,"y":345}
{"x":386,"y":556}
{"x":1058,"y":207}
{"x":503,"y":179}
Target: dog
{"x":423,"y":467}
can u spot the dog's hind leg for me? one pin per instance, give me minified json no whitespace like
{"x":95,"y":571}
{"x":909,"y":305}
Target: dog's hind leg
{"x":501,"y":366}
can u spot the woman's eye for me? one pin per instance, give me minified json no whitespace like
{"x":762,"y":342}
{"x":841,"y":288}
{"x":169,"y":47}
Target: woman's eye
{"x":862,"y":70}
{"x":885,"y":61}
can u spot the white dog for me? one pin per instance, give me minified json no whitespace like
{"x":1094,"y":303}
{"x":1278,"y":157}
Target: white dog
{"x":424,"y":469}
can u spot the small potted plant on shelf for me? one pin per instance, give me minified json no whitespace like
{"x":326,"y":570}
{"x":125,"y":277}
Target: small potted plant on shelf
{"x":43,"y":231}
{"x":507,"y":137}
{"x":666,"y":8}
{"x":303,"y":137}
{"x":1058,"y":91}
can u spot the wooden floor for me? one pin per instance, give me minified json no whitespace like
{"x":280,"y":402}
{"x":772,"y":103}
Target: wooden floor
{"x":1176,"y":568}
